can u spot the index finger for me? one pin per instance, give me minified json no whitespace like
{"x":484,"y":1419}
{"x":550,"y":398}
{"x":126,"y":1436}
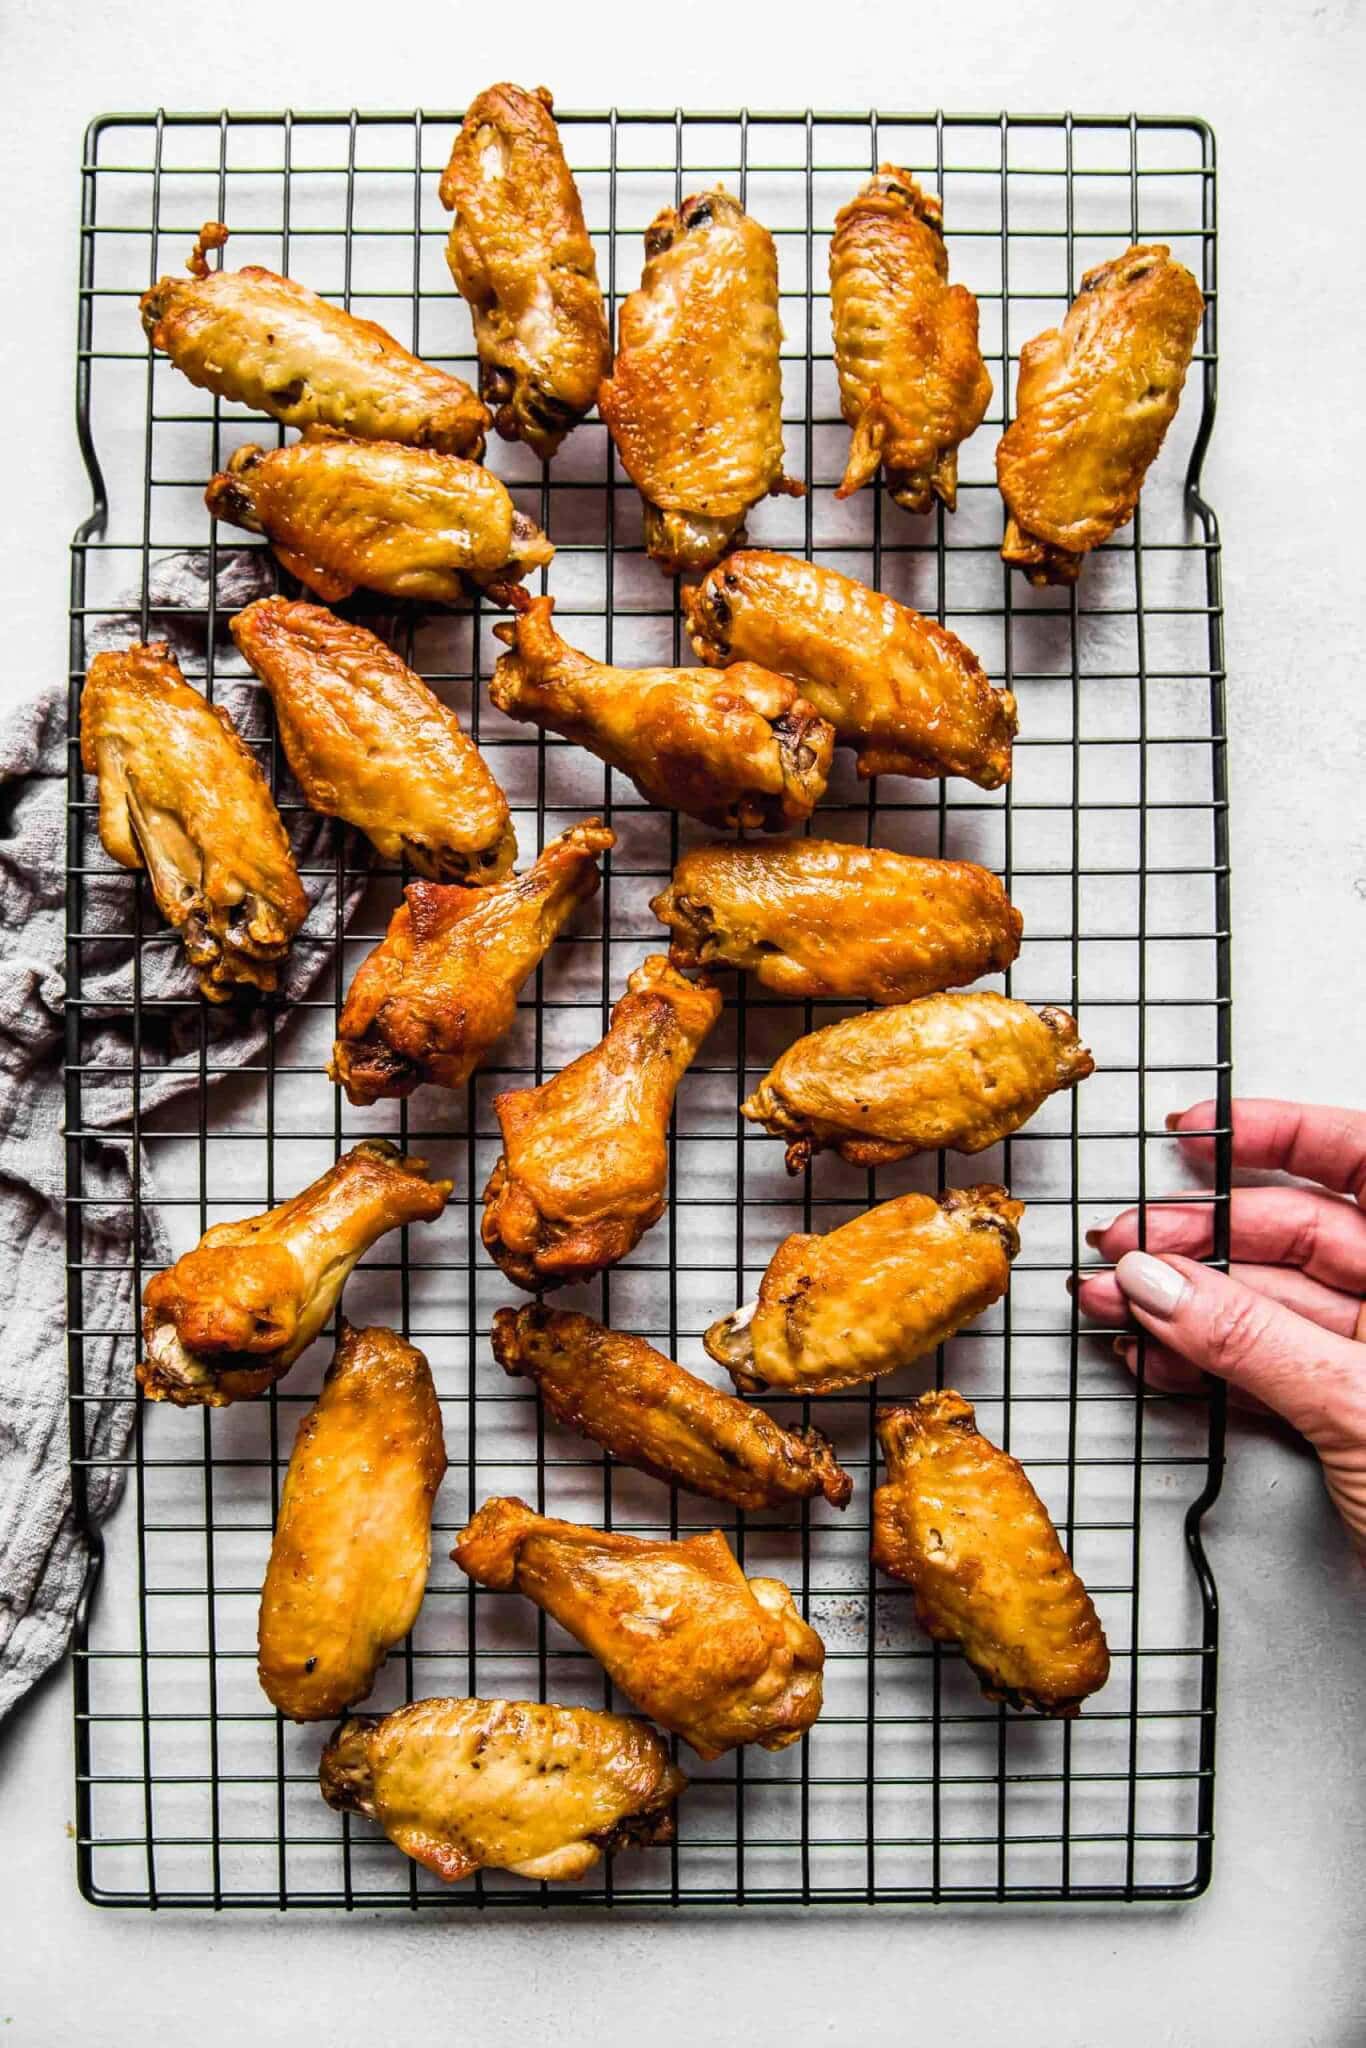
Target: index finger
{"x":1311,"y":1140}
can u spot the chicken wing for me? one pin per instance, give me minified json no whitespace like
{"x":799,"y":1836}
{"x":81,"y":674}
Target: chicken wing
{"x":367,"y":741}
{"x":903,"y":691}
{"x":695,"y":401}
{"x":960,"y":1522}
{"x":404,"y":521}
{"x":912,"y":380}
{"x":889,"y":1287}
{"x":718,"y":1658}
{"x":1094,"y":400}
{"x":814,"y":917}
{"x":274,"y":345}
{"x":441,"y":987}
{"x":353,"y":1542}
{"x":947,"y":1071}
{"x":652,"y":1414}
{"x":520,"y":255}
{"x":585,"y":1158}
{"x":182,"y":795}
{"x":233,"y":1315}
{"x":466,"y":1785}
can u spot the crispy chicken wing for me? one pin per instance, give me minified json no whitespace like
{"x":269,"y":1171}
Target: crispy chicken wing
{"x":814,"y":917}
{"x":520,"y":254}
{"x":903,"y":691}
{"x":353,"y":1542}
{"x":912,"y":380}
{"x":947,"y":1071}
{"x":367,"y":741}
{"x":182,"y":795}
{"x":466,"y":1785}
{"x":1094,"y":400}
{"x":718,"y":1658}
{"x":890,"y":1286}
{"x":653,"y":1414}
{"x":695,"y":401}
{"x":231,"y":1316}
{"x":960,"y":1522}
{"x":585,"y":1158}
{"x":441,"y":987}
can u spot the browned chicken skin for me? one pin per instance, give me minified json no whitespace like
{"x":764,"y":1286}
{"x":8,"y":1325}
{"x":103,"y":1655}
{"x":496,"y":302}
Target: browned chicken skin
{"x":585,"y":1159}
{"x":912,"y":380}
{"x":903,"y":691}
{"x":1094,"y":401}
{"x":521,"y":256}
{"x":814,"y":917}
{"x":466,"y":1785}
{"x":353,"y":1542}
{"x":718,"y":1658}
{"x":440,"y":989}
{"x":960,"y":1522}
{"x":231,"y":1316}
{"x":651,"y":1413}
{"x":182,"y":795}
{"x":367,"y":741}
{"x":733,"y":746}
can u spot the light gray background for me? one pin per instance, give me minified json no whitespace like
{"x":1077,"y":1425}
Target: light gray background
{"x":1274,"y":1954}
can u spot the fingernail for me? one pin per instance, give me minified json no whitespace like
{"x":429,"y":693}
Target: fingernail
{"x":1173,"y":1119}
{"x":1151,"y":1284}
{"x":1072,"y":1282}
{"x":1125,"y":1349}
{"x":1093,"y":1238}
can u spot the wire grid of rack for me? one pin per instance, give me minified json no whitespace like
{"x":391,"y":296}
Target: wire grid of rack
{"x":1112,"y":839}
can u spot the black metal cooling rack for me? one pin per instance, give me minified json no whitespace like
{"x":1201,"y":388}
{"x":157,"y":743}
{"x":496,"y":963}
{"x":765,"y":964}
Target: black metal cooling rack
{"x":1112,"y":839}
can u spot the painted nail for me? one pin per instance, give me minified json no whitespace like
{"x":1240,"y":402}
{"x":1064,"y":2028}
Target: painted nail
{"x":1093,"y":1238}
{"x":1125,"y":1348}
{"x":1173,"y":1119}
{"x":1072,"y":1282}
{"x":1152,"y":1285}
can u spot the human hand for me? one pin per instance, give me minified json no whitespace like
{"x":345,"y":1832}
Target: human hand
{"x":1286,"y":1326}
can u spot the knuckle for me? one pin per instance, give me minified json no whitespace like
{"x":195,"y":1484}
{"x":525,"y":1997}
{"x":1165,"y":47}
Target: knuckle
{"x":1237,"y":1326}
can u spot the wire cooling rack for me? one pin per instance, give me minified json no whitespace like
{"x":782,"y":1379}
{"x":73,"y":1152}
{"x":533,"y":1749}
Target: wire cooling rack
{"x":1112,"y":839}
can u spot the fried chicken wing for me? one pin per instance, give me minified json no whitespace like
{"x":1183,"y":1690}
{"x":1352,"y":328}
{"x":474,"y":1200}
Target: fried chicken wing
{"x":902,"y":690}
{"x":585,"y":1159}
{"x":367,"y":741}
{"x":466,"y":1785}
{"x":441,"y":987}
{"x":231,"y":1316}
{"x":274,"y":345}
{"x":182,"y":795}
{"x":912,"y":380}
{"x":731,"y":746}
{"x":960,"y":1522}
{"x":406,"y":521}
{"x":814,"y":917}
{"x":353,"y":1542}
{"x":889,"y":1287}
{"x":651,"y":1413}
{"x":957,"y":1071}
{"x":695,"y":401}
{"x":1094,"y":400}
{"x":718,"y":1658}
{"x":521,"y":256}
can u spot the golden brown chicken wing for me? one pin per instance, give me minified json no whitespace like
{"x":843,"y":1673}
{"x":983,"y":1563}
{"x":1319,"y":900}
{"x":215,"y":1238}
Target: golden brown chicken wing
{"x":1094,"y":400}
{"x":960,"y":1522}
{"x":405,"y":521}
{"x":276,"y":346}
{"x":947,"y":1071}
{"x":466,"y":1785}
{"x":367,"y":741}
{"x":585,"y":1158}
{"x":441,"y":987}
{"x":912,"y":380}
{"x":232,"y":1315}
{"x":695,"y":400}
{"x":718,"y":1658}
{"x":902,"y":690}
{"x":814,"y":917}
{"x":182,"y":795}
{"x":889,"y":1287}
{"x":520,"y":254}
{"x":353,"y":1542}
{"x":652,"y":1414}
